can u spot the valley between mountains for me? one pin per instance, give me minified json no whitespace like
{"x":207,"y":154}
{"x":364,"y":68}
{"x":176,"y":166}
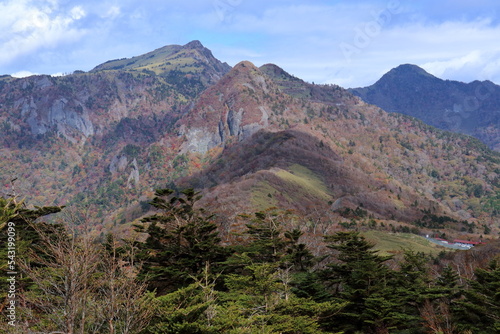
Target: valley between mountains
{"x":249,"y":138}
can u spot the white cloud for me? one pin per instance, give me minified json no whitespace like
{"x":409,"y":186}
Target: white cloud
{"x":113,"y":12}
{"x":438,"y":68}
{"x":23,"y":74}
{"x":452,"y":50}
{"x":476,"y":65}
{"x":28,"y":25}
{"x":77,"y":13}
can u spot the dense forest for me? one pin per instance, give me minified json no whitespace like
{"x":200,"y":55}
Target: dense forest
{"x":177,"y":276}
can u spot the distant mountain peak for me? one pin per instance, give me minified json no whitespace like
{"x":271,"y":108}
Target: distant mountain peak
{"x":242,"y":72}
{"x":273,"y":68}
{"x":276,"y":72}
{"x":409,"y":69}
{"x":468,"y":108}
{"x":246,"y":64}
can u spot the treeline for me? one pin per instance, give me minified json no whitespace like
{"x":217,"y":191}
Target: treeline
{"x":180,"y":278}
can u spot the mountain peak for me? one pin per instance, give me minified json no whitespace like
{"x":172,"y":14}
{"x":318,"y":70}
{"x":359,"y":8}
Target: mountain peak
{"x":277,"y":73}
{"x":467,"y":108}
{"x":246,"y":64}
{"x":182,"y":58}
{"x":409,"y":69}
{"x":242,"y":72}
{"x":405,"y":75}
{"x":194,"y":45}
{"x":273,"y":68}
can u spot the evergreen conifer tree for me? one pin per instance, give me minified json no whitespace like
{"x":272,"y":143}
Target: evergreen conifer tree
{"x":181,"y":240}
{"x":479,"y":312}
{"x":359,"y":277}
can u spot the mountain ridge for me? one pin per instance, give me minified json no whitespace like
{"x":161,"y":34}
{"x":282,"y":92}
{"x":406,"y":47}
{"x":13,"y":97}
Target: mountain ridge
{"x":470,"y":108}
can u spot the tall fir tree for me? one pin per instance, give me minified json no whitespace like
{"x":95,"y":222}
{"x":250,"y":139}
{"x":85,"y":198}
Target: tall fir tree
{"x":479,"y":311}
{"x":18,"y":219}
{"x":181,"y":240}
{"x":360,"y":277}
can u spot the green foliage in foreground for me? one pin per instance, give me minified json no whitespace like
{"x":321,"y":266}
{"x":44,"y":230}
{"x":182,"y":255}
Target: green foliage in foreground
{"x":270,"y":283}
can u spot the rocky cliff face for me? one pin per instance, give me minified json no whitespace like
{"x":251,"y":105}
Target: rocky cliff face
{"x":57,"y":115}
{"x":74,"y":107}
{"x":81,"y":105}
{"x":234,"y":109}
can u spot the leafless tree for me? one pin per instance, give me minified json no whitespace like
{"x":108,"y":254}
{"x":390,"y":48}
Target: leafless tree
{"x":125,"y":305}
{"x":82,"y":287}
{"x":437,"y":318}
{"x":63,"y":268}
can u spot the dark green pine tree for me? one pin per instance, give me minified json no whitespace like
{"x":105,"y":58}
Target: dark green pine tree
{"x":270,"y":242}
{"x":436,"y":311}
{"x":22,"y":219}
{"x":305,"y":282}
{"x":16,"y":215}
{"x":181,"y":240}
{"x":17,"y":212}
{"x":297,"y":254}
{"x":448,"y":283}
{"x":411,"y":290}
{"x":479,"y":312}
{"x":265,"y":230}
{"x":360,"y":277}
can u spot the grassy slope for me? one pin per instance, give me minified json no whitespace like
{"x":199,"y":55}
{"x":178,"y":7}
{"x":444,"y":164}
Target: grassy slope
{"x":390,"y":243}
{"x":304,"y":182}
{"x":305,"y":179}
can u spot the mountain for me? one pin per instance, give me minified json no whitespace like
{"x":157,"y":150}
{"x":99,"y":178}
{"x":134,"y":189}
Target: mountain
{"x":330,"y":157}
{"x":472,"y":108}
{"x":81,"y":138}
{"x":191,"y":64}
{"x":84,"y":104}
{"x":247,"y":137}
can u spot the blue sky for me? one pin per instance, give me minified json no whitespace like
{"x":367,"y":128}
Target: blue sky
{"x":350,"y":43}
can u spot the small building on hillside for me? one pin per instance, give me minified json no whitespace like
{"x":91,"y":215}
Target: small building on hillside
{"x":466,"y":243}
